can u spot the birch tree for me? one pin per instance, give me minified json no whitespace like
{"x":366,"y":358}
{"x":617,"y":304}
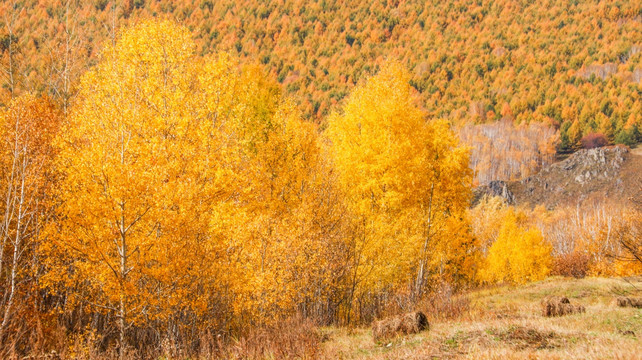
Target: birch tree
{"x":403,"y":176}
{"x":27,"y":128}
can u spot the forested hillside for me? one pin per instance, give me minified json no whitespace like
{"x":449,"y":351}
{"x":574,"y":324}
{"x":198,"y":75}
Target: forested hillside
{"x":574,"y":65}
{"x":220,"y":179}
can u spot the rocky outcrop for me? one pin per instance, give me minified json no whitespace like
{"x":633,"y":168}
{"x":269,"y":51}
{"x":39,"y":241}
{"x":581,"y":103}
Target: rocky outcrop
{"x":494,"y":188}
{"x":605,"y":172}
{"x":590,"y":164}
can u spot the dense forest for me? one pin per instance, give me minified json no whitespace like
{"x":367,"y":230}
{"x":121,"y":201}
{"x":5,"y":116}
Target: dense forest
{"x":176,"y":175}
{"x":574,"y":65}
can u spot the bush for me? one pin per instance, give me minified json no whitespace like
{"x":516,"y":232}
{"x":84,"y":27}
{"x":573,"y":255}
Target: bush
{"x":519,"y":255}
{"x":444,"y":304}
{"x":594,"y":140}
{"x":575,"y":264}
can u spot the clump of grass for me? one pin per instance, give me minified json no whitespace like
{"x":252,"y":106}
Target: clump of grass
{"x":388,"y":328}
{"x":294,"y":338}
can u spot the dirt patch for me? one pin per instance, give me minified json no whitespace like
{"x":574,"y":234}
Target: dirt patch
{"x":521,"y":338}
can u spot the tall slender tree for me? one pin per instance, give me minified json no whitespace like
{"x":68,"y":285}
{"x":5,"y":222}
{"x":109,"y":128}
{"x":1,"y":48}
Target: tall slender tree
{"x":403,"y":176}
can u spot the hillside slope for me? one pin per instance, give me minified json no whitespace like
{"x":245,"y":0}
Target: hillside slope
{"x":506,"y":323}
{"x":613,"y":173}
{"x":575,"y":64}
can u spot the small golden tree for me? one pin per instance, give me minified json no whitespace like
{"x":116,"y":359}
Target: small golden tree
{"x":519,"y":255}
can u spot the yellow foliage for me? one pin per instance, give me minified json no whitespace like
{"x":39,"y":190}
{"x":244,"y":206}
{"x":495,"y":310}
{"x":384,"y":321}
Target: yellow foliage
{"x":404,"y":178}
{"x":486,"y":218}
{"x":190,"y":186}
{"x":288,"y":251}
{"x":27,"y":127}
{"x":185,"y":196}
{"x":519,"y":254}
{"x":145,"y":165}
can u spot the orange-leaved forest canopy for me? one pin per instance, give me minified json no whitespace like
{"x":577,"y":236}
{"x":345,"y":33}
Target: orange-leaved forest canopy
{"x":179,"y":195}
{"x":573,"y":65}
{"x":221,"y":179}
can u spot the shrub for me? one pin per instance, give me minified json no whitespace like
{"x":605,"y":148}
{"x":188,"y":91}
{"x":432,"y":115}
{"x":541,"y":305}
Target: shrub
{"x":594,"y":140}
{"x":519,"y":255}
{"x":443,"y":304}
{"x":575,"y":264}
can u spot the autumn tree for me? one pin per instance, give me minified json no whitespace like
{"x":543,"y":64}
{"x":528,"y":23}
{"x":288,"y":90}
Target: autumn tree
{"x":519,"y":255}
{"x":289,"y":209}
{"x":140,"y":230}
{"x":67,"y":58}
{"x":11,"y":57}
{"x":628,"y":234}
{"x":403,"y":176}
{"x":594,"y":86}
{"x":486,"y":219}
{"x":27,"y":128}
{"x":507,"y":151}
{"x":191,"y":190}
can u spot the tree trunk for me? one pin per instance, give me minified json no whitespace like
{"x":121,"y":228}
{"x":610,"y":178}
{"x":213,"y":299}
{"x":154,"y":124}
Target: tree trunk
{"x":419,"y":283}
{"x":122,"y":306}
{"x":17,"y":250}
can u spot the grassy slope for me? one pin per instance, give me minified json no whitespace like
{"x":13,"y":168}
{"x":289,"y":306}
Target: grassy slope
{"x":505,"y":323}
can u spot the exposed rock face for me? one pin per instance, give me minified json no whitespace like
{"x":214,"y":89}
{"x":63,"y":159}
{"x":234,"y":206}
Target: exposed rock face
{"x":587,"y":165}
{"x":584,"y":172}
{"x":606,"y":172}
{"x":495,"y":188}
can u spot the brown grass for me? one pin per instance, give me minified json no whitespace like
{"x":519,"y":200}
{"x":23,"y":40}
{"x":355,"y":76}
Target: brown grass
{"x":295,"y":338}
{"x":629,"y":302}
{"x":522,"y":337}
{"x":405,"y":324}
{"x":495,"y":323}
{"x":559,"y":306}
{"x":506,"y":323}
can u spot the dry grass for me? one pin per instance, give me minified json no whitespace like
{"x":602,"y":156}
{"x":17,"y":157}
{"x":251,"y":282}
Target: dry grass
{"x":495,"y":323}
{"x":629,"y":302}
{"x":294,"y":338}
{"x":506,"y":323}
{"x":405,"y":324}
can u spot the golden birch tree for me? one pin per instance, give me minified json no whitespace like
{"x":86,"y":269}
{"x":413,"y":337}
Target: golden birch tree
{"x":27,"y":128}
{"x":145,"y":178}
{"x":291,"y":245}
{"x":404,"y":176}
{"x":519,"y":255}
